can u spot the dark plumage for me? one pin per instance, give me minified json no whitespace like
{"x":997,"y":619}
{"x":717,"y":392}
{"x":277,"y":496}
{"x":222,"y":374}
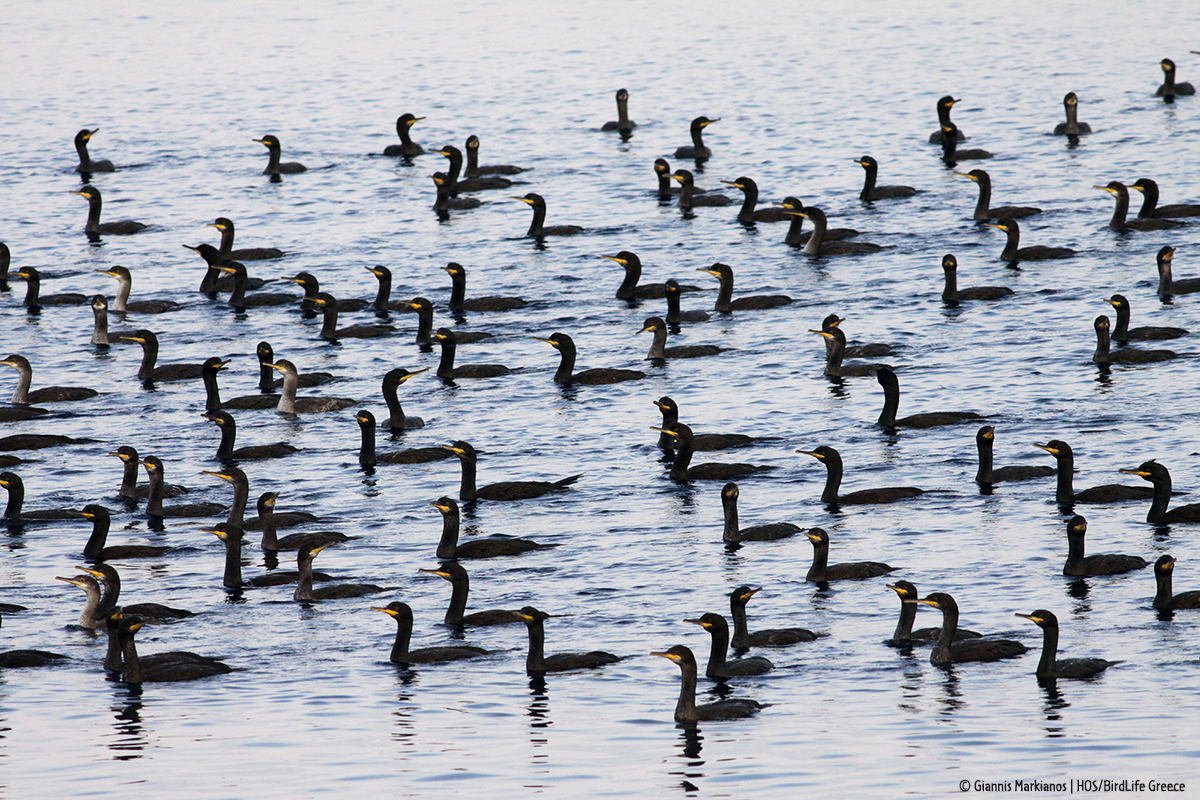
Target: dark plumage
{"x":1072,"y":127}
{"x":952,"y":295}
{"x":1151,"y":208}
{"x":1126,"y":355}
{"x":681,"y":469}
{"x":93,"y":227}
{"x":131,"y":463}
{"x":47,"y":394}
{"x":312,"y":288}
{"x":904,"y":634}
{"x":748,"y":214}
{"x":821,"y":571}
{"x":400,"y":654}
{"x":458,"y":279}
{"x":725,"y":301}
{"x":332,"y":333}
{"x":537,"y":226}
{"x":491,"y":547}
{"x":943,"y":106}
{"x":110,"y":580}
{"x":1078,"y":565}
{"x":407,"y":146}
{"x":367,"y":456}
{"x":1065,"y":494}
{"x":949,"y":651}
{"x":930,"y":419}
{"x":20,"y":659}
{"x":817,"y":244}
{"x":14,"y":511}
{"x":1122,"y":333}
{"x":121,"y":302}
{"x":1167,"y":285}
{"x":984,"y":441}
{"x":226,"y":452}
{"x":659,"y":349}
{"x":304,"y":586}
{"x":274,"y":167}
{"x":951,"y":155}
{"x":290,"y":404}
{"x":1013,"y":252}
{"x":226,"y":251}
{"x":446,"y":369}
{"x":566,"y":374}
{"x":629,"y":288}
{"x":148,"y":372}
{"x":445,"y":201}
{"x":268,"y":383}
{"x":473,"y":168}
{"x":697,"y":148}
{"x":872,"y":192}
{"x":34,"y":299}
{"x":95,"y":549}
{"x":460,"y":584}
{"x":240,"y":301}
{"x":756,"y":533}
{"x":686,"y":710}
{"x":835,"y":351}
{"x":1049,"y":666}
{"x":397,"y":419}
{"x":718,"y":667}
{"x":772,"y":637}
{"x":37,"y":441}
{"x":622,"y":123}
{"x":1121,"y":210}
{"x":689,"y":198}
{"x":86,"y":164}
{"x":674,"y":314}
{"x":471,"y":184}
{"x":135,"y":670}
{"x":798,"y":237}
{"x":832,"y":460}
{"x":273,"y":543}
{"x":1169,"y":87}
{"x":507,"y":490}
{"x":538,"y":664}
{"x":1164,"y":600}
{"x":1160,"y":476}
{"x":154,"y":505}
{"x":701,"y":442}
{"x":983,"y":206}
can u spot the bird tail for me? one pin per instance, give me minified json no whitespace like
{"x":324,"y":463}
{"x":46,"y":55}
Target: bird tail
{"x":565,"y":482}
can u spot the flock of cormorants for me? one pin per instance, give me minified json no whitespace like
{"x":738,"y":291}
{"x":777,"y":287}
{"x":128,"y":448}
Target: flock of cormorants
{"x":226,"y":273}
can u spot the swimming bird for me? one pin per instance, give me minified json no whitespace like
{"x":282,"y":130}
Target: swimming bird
{"x":18,"y":659}
{"x":686,"y":710}
{"x":274,"y":167}
{"x":312,"y":288}
{"x":1126,"y":355}
{"x":383,"y":302}
{"x":757,"y":533}
{"x":397,"y":419}
{"x":506,"y":490}
{"x":226,"y":251}
{"x":1065,"y":495}
{"x":983,"y":206}
{"x":255,"y":452}
{"x":290,"y":404}
{"x":110,"y":582}
{"x":1049,"y":666}
{"x":154,"y":506}
{"x":872,"y":192}
{"x":943,"y":106}
{"x":446,"y":369}
{"x":1119,"y":222}
{"x":835,"y":351}
{"x":622,"y":123}
{"x":210,"y":370}
{"x":629,"y":288}
{"x":674,"y":314}
{"x":1169,"y":87}
{"x":1122,"y":333}
{"x":268,"y":383}
{"x":95,"y":200}
{"x":690,"y":197}
{"x":240,"y":301}
{"x":134,"y":672}
{"x":1164,"y":600}
{"x":366,"y":450}
{"x":270,"y":522}
{"x":1151,"y":208}
{"x":402,"y":613}
{"x":86,"y":164}
{"x":538,"y":664}
{"x":1013,"y":252}
{"x":817,"y":244}
{"x":868,"y":350}
{"x":14,"y":511}
{"x":725,"y":302}
{"x":832,"y":460}
{"x":537,"y":227}
{"x":984,"y":441}
{"x":91,"y":591}
{"x":214,"y":280}
{"x":1167,"y":285}
{"x":904,"y":634}
{"x":748,"y":214}
{"x":491,"y":547}
{"x":821,"y":571}
{"x":566,"y":375}
{"x":659,"y":349}
{"x":1078,"y":565}
{"x":460,"y":584}
{"x":797,"y":236}
{"x":697,"y":148}
{"x":947,"y":650}
{"x":681,"y":469}
{"x":332,"y":333}
{"x":458,"y":301}
{"x":930,"y":419}
{"x":718,"y":667}
{"x":479,"y":183}
{"x":148,"y":372}
{"x":952,"y":295}
{"x":407,"y":146}
{"x":304,"y":587}
{"x":473,"y":169}
{"x":121,"y":301}
{"x":444,"y":202}
{"x":34,"y":299}
{"x":47,"y":394}
{"x":771,"y":637}
{"x":95,"y":549}
{"x":1160,"y":476}
{"x":129,"y":476}
{"x":662,"y":171}
{"x":951,"y":155}
{"x":37,"y":441}
{"x":1072,"y":127}
{"x":100,"y":334}
{"x":701,"y":442}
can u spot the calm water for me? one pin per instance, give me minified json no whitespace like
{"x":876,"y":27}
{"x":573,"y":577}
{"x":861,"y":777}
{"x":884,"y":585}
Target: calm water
{"x":314,"y":707}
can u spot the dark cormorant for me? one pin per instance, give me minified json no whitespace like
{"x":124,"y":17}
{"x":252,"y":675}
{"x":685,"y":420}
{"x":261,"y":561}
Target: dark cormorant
{"x":460,"y":584}
{"x":407,"y":146}
{"x":1164,"y":568}
{"x":1151,"y":208}
{"x":273,"y":165}
{"x":154,"y":506}
{"x":681,"y":469}
{"x":1126,"y":355}
{"x":473,"y":169}
{"x":686,"y":710}
{"x":659,"y":349}
{"x":622,"y":123}
{"x":1167,"y":285}
{"x":629,"y":288}
{"x":383,"y":302}
{"x":134,"y":671}
{"x":1158,"y":475}
{"x":121,"y":301}
{"x":1119,"y":222}
{"x":832,"y":460}
{"x":1123,"y":333}
{"x":756,"y":533}
{"x":1169,"y":87}
{"x":718,"y":667}
{"x":905,"y":635}
{"x":748,"y":214}
{"x":129,"y":476}
{"x":566,"y":374}
{"x":725,"y":302}
{"x":697,"y":148}
{"x":95,"y":550}
{"x":86,"y":164}
{"x":397,"y":419}
{"x":944,"y":104}
{"x":537,"y":228}
{"x":701,"y":442}
{"x":470,"y":184}
{"x":491,"y":547}
{"x":1065,"y":494}
{"x":304,"y":587}
{"x":123,"y":227}
{"x":872,"y":192}
{"x":1013,"y":252}
{"x":930,"y":419}
{"x":821,"y":571}
{"x":110,"y":580}
{"x":458,"y":278}
{"x":226,"y":251}
{"x":1072,"y":127}
{"x":366,"y":450}
{"x":239,"y":300}
{"x":290,"y":404}
{"x":951,"y":155}
{"x":446,"y":369}
{"x":256,"y":452}
{"x":47,"y":394}
{"x":674,"y":314}
{"x":772,"y":637}
{"x":984,"y":440}
{"x":1049,"y":667}
{"x":444,"y":202}
{"x":507,"y":490}
{"x":797,"y":236}
{"x":983,"y":206}
{"x":267,"y":382}
{"x":690,"y":197}
{"x":952,"y":295}
{"x":91,"y":590}
{"x":169,"y":372}
{"x":403,"y":615}
{"x":949,"y":651}
{"x":312,"y":288}
{"x":835,"y":351}
{"x":34,"y":299}
{"x":538,"y":664}
{"x":1078,"y":565}
{"x":14,"y":509}
{"x":331,"y":332}
{"x":817,"y":244}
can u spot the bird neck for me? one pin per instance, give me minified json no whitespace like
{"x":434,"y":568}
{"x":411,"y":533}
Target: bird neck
{"x":442,"y":201}
{"x":868,"y":190}
{"x":460,"y":589}
{"x":1064,"y":493}
{"x":628,"y":288}
{"x":685,"y":448}
{"x":1045,"y":667}
{"x":835,"y":351}
{"x":233,"y":563}
{"x":664,"y":185}
{"x":424,"y":325}
{"x":1102,"y":346}
{"x":623,"y":114}
{"x":154,"y":504}
{"x":1162,"y":496}
{"x":287,"y":397}
{"x":725,"y":292}
{"x":266,"y":377}
{"x":448,"y":545}
{"x":208,"y":284}
{"x":749,"y":201}
{"x":1120,"y":333}
{"x":1075,"y":548}
{"x":1073,"y":120}
{"x":403,"y":636}
{"x":131,"y":668}
{"x":93,"y":220}
{"x":566,"y":364}
{"x":85,"y":160}
{"x":535,"y":662}
{"x":273,"y":154}
{"x":113,"y":658}
{"x":16,"y":499}
{"x":453,"y":172}
{"x":941,"y":650}
{"x":445,"y":368}
{"x":212,"y":392}
{"x":1011,"y":244}
{"x":109,"y":594}
{"x":949,"y":147}
{"x":698,"y":139}
{"x":123,"y":288}
{"x":904,"y":626}
{"x":1149,"y":200}
{"x":95,"y":543}
{"x":99,"y":324}
{"x":820,"y":560}
{"x":458,"y":289}
{"x":891,"y":404}
{"x":984,"y":204}
{"x":329,"y":322}
{"x":1120,"y":211}
{"x":833,"y":481}
{"x":1165,"y":281}
{"x":225,"y":250}
{"x":237,"y":510}
{"x":24,"y":379}
{"x":383,"y":293}
{"x":673,"y":310}
{"x":539,"y":219}
{"x":795,"y":227}
{"x":33,"y":287}
{"x":716,"y":652}
{"x":741,"y":629}
{"x":984,"y":475}
{"x":366,"y":448}
{"x":304,"y":586}
{"x":685,"y":708}
{"x":472,"y":161}
{"x":149,"y":359}
{"x":129,"y":478}
{"x":813,"y":248}
{"x":237,"y":298}
{"x":731,"y":534}
{"x":466,"y":488}
{"x":1162,"y":597}
{"x":87,"y":618}
{"x":228,"y":437}
{"x":658,"y":346}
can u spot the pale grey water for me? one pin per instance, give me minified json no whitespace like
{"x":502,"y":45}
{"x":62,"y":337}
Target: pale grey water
{"x":802,"y":89}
